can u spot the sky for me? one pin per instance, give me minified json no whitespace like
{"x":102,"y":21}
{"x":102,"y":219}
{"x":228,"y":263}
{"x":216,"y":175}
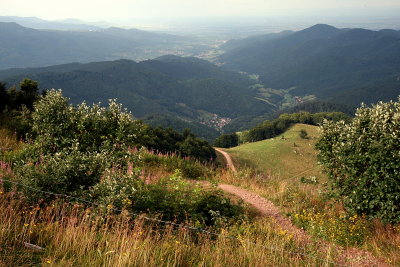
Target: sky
{"x":126,"y":10}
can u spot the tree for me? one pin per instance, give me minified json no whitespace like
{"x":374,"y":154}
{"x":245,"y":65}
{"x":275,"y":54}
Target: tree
{"x":4,"y":99}
{"x":227,"y":140}
{"x":362,"y":160}
{"x":29,"y":92}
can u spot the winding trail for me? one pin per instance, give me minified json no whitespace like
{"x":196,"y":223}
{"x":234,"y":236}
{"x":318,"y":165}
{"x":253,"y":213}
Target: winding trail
{"x":228,"y":158}
{"x":266,"y":208}
{"x":349,"y":256}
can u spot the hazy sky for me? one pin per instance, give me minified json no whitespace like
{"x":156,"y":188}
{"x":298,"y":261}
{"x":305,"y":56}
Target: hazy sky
{"x":125,"y":10}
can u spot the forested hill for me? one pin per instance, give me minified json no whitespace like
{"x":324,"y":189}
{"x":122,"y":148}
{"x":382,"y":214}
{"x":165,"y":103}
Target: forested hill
{"x":333,"y":64}
{"x":190,"y":89}
{"x":26,"y":47}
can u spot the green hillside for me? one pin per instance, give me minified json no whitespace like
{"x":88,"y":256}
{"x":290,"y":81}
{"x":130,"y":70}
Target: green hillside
{"x":189,"y":89}
{"x":282,"y":157}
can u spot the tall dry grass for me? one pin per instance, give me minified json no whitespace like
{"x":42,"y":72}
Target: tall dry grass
{"x":323,"y":217}
{"x":74,"y":236}
{"x":8,"y":141}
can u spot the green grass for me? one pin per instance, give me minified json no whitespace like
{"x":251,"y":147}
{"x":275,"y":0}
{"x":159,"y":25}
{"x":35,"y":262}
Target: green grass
{"x":282,"y":157}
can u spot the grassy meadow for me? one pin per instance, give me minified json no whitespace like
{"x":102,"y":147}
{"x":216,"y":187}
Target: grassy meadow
{"x":284,"y":156}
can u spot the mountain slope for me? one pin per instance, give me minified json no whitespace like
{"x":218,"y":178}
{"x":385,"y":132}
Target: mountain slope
{"x":322,"y":60}
{"x":202,"y":93}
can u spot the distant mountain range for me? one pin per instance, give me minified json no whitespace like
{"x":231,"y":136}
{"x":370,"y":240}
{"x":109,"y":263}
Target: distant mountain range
{"x":26,"y":47}
{"x":191,"y":90}
{"x":339,"y":65}
{"x":320,"y":63}
{"x":41,"y":24}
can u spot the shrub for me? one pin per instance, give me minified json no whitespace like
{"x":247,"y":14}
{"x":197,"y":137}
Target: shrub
{"x":62,"y":173}
{"x":190,"y":169}
{"x":362,"y":160}
{"x":73,"y":146}
{"x":172,"y":198}
{"x":303,"y":134}
{"x":60,"y":126}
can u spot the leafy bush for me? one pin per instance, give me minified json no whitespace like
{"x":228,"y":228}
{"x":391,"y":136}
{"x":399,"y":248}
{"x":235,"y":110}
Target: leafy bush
{"x":362,"y":160}
{"x":73,"y":146}
{"x":189,"y":168}
{"x":303,"y":134}
{"x":172,"y":198}
{"x":62,"y":173}
{"x":61,"y":126}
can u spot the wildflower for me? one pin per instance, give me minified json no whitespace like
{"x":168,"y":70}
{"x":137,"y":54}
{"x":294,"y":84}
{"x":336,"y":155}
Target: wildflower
{"x":26,"y":225}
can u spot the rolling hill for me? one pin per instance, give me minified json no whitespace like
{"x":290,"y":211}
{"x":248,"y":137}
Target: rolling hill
{"x":281,"y":158}
{"x":324,"y":61}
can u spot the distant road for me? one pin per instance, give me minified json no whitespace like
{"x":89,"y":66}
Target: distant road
{"x":228,"y":159}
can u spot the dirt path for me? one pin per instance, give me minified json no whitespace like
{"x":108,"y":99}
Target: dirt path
{"x":266,"y":208}
{"x":349,"y":256}
{"x":228,"y":159}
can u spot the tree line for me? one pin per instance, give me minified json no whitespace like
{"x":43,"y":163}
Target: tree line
{"x":269,"y":129}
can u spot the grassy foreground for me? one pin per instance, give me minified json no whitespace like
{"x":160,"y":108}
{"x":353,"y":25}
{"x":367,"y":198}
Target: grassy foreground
{"x":72,"y":235}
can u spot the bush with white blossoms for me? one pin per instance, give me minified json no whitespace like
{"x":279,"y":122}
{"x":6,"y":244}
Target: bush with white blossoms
{"x":362,"y":159}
